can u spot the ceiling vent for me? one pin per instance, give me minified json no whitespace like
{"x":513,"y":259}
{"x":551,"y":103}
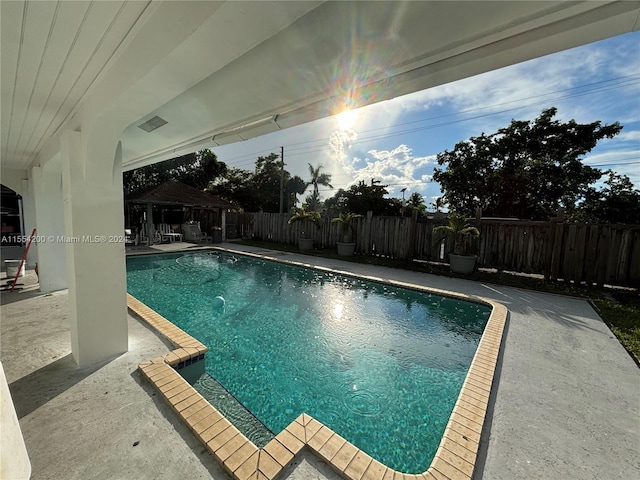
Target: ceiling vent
{"x":153,"y":123}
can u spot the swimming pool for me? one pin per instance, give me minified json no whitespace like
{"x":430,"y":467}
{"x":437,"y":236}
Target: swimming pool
{"x":382,"y":366}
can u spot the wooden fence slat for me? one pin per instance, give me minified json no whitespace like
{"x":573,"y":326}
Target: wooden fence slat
{"x":519,"y":248}
{"x":591,"y":253}
{"x":634,"y":261}
{"x":529,"y":258}
{"x":621,"y":273}
{"x":569,"y":254}
{"x":602,"y":255}
{"x":502,"y":247}
{"x":558,"y":235}
{"x":548,"y":250}
{"x":578,"y":264}
{"x":614,"y":252}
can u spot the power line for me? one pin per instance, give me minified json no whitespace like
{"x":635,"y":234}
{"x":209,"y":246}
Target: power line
{"x":600,"y":86}
{"x":623,"y":82}
{"x":617,"y":164}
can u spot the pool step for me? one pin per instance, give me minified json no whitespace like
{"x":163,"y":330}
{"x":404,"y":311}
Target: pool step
{"x":233,"y":410}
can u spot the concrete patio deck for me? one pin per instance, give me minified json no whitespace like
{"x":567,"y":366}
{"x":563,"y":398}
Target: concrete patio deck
{"x":564,"y":401}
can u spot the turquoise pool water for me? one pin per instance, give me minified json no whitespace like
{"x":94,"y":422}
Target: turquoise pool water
{"x":381,"y":366}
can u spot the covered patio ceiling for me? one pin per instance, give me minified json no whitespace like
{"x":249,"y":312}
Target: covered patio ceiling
{"x":220,"y":72}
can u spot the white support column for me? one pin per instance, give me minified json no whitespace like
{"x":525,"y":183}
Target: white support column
{"x":150,"y":229}
{"x":93,"y":201}
{"x":47,"y":183}
{"x":224,"y":224}
{"x":29,"y":215}
{"x":14,"y":458}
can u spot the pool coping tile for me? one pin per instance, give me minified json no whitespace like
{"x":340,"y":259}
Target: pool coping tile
{"x":224,"y":438}
{"x":290,"y":441}
{"x":231,"y":447}
{"x":344,"y":456}
{"x":267,"y":465}
{"x":375,"y":471}
{"x":454,"y":459}
{"x":297,"y":430}
{"x":331,"y":447}
{"x":214,"y":430}
{"x":358,"y":465}
{"x":240,"y":456}
{"x":248,"y":468}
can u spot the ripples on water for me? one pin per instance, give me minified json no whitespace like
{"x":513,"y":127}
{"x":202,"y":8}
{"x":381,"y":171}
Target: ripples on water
{"x":381,"y":366}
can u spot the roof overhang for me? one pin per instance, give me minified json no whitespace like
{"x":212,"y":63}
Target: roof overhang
{"x":222,"y":72}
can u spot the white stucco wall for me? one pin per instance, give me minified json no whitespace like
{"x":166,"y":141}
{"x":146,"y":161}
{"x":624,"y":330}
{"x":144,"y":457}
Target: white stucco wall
{"x":14,"y":460}
{"x":12,"y":178}
{"x":93,"y":214}
{"x":29,"y":217}
{"x":52,"y":265}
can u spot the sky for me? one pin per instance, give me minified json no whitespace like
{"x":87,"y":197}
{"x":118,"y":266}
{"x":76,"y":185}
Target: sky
{"x":396,"y":141}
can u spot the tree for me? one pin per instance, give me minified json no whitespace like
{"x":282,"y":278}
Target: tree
{"x":235,"y":186}
{"x":203,"y":171}
{"x":313,"y":202}
{"x":257,"y":190}
{"x":526,"y":170}
{"x":295,"y":186}
{"x":266,"y":183}
{"x":616,"y":202}
{"x":416,"y":202}
{"x":361,"y":198}
{"x":317,"y":178}
{"x":196,"y":169}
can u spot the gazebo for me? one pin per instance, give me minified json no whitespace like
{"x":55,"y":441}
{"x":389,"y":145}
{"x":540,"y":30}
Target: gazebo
{"x":177,"y":204}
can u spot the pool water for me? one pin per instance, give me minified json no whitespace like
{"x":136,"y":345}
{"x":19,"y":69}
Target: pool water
{"x":381,"y":366}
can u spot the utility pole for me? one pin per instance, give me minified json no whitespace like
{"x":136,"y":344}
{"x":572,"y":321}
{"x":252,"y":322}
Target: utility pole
{"x":403,"y":204}
{"x":281,"y":179}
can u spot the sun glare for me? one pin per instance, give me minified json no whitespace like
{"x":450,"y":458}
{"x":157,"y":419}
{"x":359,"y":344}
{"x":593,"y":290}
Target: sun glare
{"x":347,"y":119}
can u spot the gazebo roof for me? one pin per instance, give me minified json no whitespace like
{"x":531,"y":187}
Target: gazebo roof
{"x":173,"y":192}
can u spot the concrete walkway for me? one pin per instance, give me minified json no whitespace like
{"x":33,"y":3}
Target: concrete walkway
{"x":565,"y":403}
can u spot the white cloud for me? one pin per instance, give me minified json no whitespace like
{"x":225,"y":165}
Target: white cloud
{"x":623,"y":162}
{"x":630,"y":136}
{"x":397,"y":168}
{"x":340,"y":141}
{"x":581,"y":82}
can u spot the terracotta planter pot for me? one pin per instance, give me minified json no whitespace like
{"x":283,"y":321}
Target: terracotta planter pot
{"x":462,"y":263}
{"x":346,"y":249}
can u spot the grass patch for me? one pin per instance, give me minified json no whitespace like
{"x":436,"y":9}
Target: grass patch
{"x":621,"y":312}
{"x":619,"y":308}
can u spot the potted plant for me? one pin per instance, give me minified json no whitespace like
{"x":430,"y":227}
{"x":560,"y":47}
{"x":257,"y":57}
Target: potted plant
{"x":461,"y":260}
{"x":304,"y":215}
{"x":346,"y":247}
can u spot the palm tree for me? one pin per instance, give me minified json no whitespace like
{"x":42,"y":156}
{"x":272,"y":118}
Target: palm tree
{"x":318,"y":178}
{"x":461,"y":232}
{"x":295,"y":186}
{"x":345,"y":220}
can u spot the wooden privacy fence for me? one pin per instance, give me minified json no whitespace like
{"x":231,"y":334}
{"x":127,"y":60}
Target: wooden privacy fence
{"x":594,"y":254}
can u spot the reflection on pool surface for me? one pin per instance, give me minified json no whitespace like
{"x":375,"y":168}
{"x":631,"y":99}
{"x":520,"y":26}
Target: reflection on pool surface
{"x":382,"y":366}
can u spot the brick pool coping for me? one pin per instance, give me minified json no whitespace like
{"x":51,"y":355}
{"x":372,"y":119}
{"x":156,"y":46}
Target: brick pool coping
{"x":454,"y":459}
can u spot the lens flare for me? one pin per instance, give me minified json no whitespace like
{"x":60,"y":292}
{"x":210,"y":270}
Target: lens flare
{"x":347,"y":119}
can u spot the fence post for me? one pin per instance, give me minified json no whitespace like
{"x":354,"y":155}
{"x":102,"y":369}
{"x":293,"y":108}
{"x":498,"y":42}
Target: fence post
{"x":412,"y":235}
{"x":480,"y":257}
{"x":367,"y":230}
